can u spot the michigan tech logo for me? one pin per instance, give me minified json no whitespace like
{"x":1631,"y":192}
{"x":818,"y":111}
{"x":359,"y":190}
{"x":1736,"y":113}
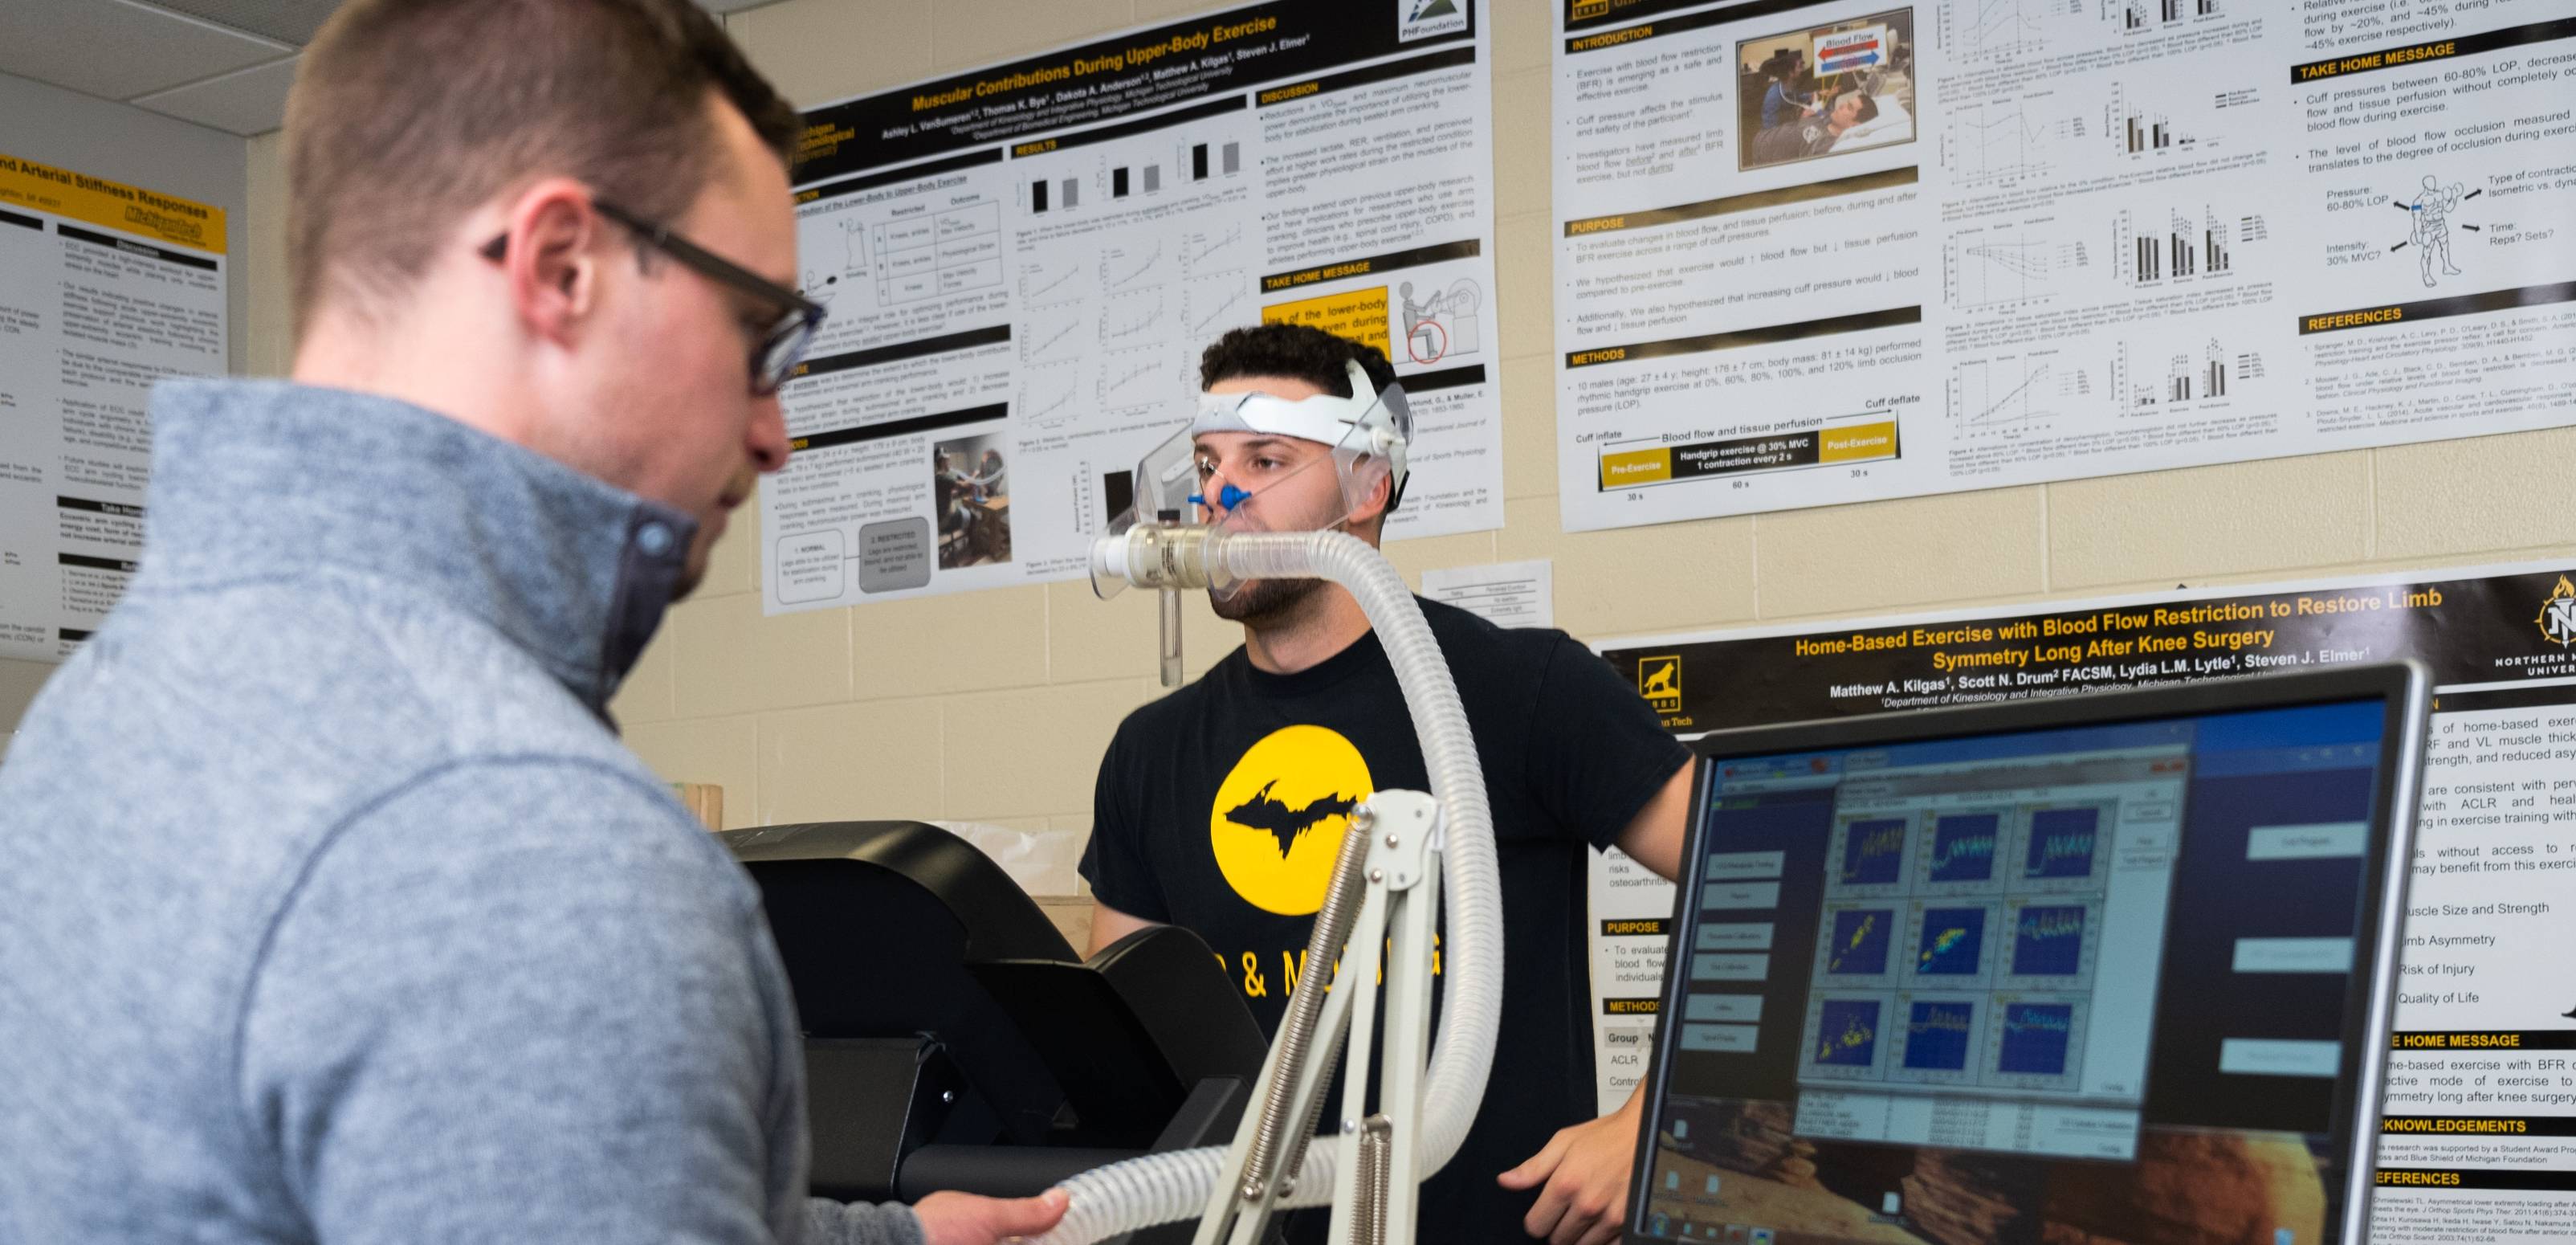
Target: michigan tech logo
{"x":1421,"y":19}
{"x":1659,"y":680}
{"x":1278,"y":819}
{"x":2558,"y":614}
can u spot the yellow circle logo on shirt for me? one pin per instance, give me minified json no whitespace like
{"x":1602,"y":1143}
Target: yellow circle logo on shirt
{"x":1278,"y":820}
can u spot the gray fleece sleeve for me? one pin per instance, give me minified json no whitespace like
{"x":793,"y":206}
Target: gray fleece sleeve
{"x":530,"y":1001}
{"x":842,"y":1223}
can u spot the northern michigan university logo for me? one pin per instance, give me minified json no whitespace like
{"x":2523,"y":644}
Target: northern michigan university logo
{"x":2558,"y":614}
{"x":1278,"y":819}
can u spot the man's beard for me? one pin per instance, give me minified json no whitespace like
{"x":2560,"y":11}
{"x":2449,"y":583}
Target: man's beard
{"x":1265,"y":602}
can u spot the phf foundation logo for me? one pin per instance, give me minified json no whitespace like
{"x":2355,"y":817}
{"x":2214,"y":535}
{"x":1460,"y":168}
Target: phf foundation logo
{"x":2558,"y":614}
{"x":1659,"y":680}
{"x":1422,"y":19}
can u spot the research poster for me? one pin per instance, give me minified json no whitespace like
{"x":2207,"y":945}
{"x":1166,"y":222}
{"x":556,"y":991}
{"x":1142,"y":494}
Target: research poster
{"x":1809,"y":254}
{"x":104,"y":289}
{"x":2479,"y":1142}
{"x":1023,"y":262}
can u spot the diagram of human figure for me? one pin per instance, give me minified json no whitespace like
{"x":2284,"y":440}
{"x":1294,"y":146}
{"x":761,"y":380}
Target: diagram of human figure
{"x":820,"y":280}
{"x":1442,"y":325}
{"x":2432,"y":233}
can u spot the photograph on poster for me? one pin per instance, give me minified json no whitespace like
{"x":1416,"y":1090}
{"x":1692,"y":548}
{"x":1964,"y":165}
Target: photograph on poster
{"x":974,"y":502}
{"x":1842,"y":87}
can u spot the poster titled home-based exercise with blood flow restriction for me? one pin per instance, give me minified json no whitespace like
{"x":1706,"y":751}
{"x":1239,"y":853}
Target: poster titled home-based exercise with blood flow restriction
{"x":1023,"y":262}
{"x":2479,"y":1133}
{"x":1815,"y":253}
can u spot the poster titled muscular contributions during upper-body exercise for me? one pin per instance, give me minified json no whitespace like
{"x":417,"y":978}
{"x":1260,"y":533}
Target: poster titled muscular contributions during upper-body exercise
{"x":2478,"y":1135}
{"x":104,"y":289}
{"x":1023,"y":262}
{"x":1831,"y":252}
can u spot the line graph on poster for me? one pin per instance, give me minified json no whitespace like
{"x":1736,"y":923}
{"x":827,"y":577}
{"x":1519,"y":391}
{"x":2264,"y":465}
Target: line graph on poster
{"x":1051,"y":335}
{"x":1131,"y":378}
{"x":1135,"y":319}
{"x":2012,"y":395}
{"x":1201,"y":252}
{"x":1216,"y":302}
{"x":1044,"y":279}
{"x":2012,"y":265}
{"x":2015,"y":28}
{"x":2004,"y":140}
{"x":1129,"y":267}
{"x":1047,"y":395}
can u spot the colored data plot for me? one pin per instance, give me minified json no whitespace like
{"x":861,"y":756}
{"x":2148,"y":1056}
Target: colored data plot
{"x":2062,"y":843}
{"x":2048,"y":941}
{"x":1939,"y":1035}
{"x":1964,"y":847}
{"x":1873,"y":852}
{"x":1847,"y":1033}
{"x":1951,"y":943}
{"x":2036,"y":1039}
{"x":2016,"y":28}
{"x":1857,"y":942}
{"x":1999,"y":140}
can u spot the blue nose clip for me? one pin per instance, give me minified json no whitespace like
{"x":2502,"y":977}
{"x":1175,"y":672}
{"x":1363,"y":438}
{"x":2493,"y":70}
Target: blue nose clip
{"x":1228,"y":499}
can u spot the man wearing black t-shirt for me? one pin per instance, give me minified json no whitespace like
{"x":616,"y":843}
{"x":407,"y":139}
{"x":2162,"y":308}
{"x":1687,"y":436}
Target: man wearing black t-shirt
{"x":1220,"y":808}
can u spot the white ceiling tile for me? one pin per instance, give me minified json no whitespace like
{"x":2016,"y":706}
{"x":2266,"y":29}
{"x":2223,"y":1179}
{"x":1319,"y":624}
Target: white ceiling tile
{"x":246,"y":102}
{"x":288,"y":21}
{"x":118,"y":50}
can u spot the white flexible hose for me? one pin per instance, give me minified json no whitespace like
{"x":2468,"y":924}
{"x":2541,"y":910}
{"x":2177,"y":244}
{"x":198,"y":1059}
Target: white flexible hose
{"x":1163,"y":1188}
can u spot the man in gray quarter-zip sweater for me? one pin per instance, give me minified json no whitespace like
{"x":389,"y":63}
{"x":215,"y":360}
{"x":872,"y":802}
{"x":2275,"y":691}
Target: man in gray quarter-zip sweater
{"x":331,"y":908}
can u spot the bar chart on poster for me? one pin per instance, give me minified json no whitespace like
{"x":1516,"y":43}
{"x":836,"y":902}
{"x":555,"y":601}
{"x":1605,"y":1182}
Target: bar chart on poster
{"x":1818,"y":253}
{"x":1022,"y":263}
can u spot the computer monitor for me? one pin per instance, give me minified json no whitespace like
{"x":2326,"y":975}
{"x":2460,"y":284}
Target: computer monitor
{"x":2105,"y":967}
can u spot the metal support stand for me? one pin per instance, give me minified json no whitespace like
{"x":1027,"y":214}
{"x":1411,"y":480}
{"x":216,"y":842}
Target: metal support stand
{"x":1387,"y":878}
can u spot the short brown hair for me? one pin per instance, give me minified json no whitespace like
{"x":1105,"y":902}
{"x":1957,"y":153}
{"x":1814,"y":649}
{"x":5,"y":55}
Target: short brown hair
{"x":1298,"y":351}
{"x":408,"y":114}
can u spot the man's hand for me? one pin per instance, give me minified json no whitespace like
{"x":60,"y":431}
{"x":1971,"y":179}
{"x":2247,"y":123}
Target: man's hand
{"x":965,"y":1219}
{"x":1586,"y":1170}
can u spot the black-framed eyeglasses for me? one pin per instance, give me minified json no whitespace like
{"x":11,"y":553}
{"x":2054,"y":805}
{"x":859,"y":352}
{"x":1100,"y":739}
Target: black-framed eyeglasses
{"x":774,"y":357}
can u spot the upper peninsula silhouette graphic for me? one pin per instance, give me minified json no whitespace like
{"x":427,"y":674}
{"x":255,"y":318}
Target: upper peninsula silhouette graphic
{"x":1264,"y":813}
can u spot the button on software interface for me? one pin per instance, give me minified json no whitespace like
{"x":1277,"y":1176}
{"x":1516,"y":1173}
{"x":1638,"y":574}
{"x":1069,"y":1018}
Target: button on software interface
{"x":2078,"y":983}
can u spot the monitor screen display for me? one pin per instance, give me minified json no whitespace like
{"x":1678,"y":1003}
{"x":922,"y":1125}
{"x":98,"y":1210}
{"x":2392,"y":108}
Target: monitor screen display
{"x":2091,"y":982}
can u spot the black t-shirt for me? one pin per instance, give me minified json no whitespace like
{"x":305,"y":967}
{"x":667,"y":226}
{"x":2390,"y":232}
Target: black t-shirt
{"x":1221,"y":807}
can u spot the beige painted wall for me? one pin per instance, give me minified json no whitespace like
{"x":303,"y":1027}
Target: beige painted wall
{"x":995,"y":706}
